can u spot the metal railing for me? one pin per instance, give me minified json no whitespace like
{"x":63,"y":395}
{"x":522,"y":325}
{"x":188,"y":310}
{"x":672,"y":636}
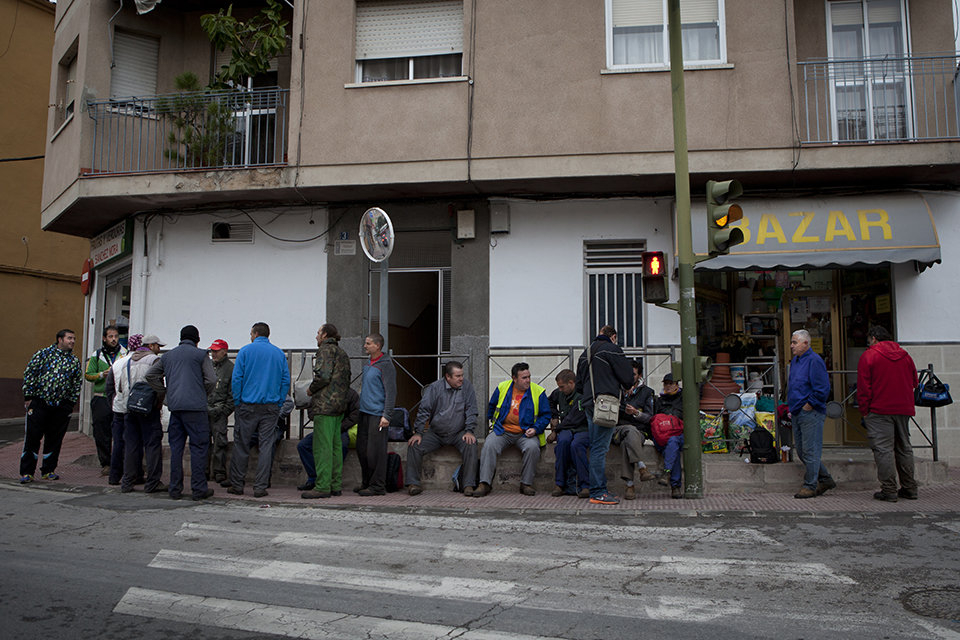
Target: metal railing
{"x":189,"y":130}
{"x":884,"y":99}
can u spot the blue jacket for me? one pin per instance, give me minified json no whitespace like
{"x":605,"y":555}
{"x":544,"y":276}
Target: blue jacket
{"x":260,"y":374}
{"x":528,"y":418}
{"x":808,"y":382}
{"x":186,"y":375}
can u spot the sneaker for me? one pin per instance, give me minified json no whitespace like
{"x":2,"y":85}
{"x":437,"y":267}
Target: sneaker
{"x":50,"y":476}
{"x":259,"y":493}
{"x":527,"y":490}
{"x":885,"y":497}
{"x":825,"y":485}
{"x":676,"y":493}
{"x":646,"y":476}
{"x":907,"y":495}
{"x":25,"y":479}
{"x":414,"y":490}
{"x":664,"y":479}
{"x":306,"y":486}
{"x":468,"y":491}
{"x":606,"y":498}
{"x":202,"y":496}
{"x":234,"y":491}
{"x":557,"y":491}
{"x":482,"y":489}
{"x":630,"y":493}
{"x":805,"y":493}
{"x":313,"y":494}
{"x":583,"y":493}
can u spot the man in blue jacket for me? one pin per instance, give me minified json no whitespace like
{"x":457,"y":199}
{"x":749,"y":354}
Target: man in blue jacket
{"x":807,"y":393}
{"x":261,"y":380}
{"x":186,"y":375}
{"x":520,"y":411}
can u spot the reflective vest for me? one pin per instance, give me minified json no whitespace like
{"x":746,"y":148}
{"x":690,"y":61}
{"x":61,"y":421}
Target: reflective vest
{"x":535,"y":391}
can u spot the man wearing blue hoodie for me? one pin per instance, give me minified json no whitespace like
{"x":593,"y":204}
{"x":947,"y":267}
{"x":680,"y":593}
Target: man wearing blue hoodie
{"x":261,"y":380}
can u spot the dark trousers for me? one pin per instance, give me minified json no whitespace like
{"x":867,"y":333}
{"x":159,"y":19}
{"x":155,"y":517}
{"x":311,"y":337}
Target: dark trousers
{"x":217,"y":466}
{"x":431,"y":441}
{"x":251,"y":419}
{"x":48,"y":423}
{"x":372,"y":452}
{"x":119,"y":452}
{"x":143,"y":438}
{"x":101,"y":417}
{"x":194,"y":425}
{"x":571,"y":455}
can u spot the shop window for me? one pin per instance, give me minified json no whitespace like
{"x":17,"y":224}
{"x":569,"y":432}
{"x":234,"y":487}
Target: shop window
{"x":614,"y":289}
{"x":637,"y":33}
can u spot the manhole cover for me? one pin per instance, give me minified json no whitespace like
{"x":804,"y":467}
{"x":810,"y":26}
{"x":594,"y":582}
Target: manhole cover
{"x":942,"y":602}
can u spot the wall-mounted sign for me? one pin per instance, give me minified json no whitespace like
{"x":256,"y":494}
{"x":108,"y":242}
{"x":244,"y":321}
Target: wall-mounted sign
{"x":114,"y":243}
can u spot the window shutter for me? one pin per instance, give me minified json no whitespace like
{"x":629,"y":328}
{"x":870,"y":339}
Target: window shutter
{"x":883,"y":12}
{"x":844,"y":14}
{"x":638,"y":13}
{"x":135,"y":70}
{"x":699,"y":11}
{"x":407,"y":29}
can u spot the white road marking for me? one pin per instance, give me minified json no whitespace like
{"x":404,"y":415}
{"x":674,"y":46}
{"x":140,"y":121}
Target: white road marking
{"x":292,"y":622}
{"x":950,"y":526}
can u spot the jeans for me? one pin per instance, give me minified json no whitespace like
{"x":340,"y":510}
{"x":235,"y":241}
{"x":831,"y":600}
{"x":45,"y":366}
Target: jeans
{"x":194,"y":425}
{"x":808,"y":438}
{"x":142,"y":439}
{"x":673,"y":458}
{"x":599,"y":445}
{"x":571,"y":451}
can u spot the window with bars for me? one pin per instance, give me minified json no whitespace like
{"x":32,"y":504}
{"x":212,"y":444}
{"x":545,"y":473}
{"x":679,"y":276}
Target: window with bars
{"x":614,"y":273}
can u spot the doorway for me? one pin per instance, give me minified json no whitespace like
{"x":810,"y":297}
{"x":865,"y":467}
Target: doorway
{"x":115,"y":309}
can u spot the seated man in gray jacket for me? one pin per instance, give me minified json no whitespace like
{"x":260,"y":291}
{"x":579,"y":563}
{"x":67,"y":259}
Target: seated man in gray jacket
{"x":450,"y":406}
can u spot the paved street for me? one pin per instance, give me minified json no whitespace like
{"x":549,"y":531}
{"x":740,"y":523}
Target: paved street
{"x":116,"y":566}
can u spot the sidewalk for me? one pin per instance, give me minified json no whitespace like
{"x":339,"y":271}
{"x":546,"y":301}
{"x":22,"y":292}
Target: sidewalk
{"x":935,"y":498}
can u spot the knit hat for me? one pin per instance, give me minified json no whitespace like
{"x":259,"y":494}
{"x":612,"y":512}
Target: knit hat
{"x":191,"y":333}
{"x":134,"y":341}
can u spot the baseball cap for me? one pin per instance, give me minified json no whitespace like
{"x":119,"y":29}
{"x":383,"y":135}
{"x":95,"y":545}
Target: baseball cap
{"x":218,"y":344}
{"x":153,"y":339}
{"x":668,"y":378}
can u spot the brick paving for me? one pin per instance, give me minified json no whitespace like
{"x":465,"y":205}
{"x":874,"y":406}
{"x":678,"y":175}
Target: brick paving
{"x":78,"y":469}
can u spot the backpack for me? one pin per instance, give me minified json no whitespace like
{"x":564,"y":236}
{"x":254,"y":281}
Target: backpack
{"x":142,"y":398}
{"x":394,"y":472}
{"x":459,"y":482}
{"x":663,"y":427}
{"x":760,"y":446}
{"x":399,"y":429}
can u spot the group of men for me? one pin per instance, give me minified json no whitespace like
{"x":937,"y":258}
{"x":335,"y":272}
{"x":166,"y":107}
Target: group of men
{"x":131,"y":384}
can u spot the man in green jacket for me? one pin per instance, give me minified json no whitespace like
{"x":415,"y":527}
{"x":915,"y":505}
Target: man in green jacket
{"x":101,"y":410}
{"x":219,"y":408}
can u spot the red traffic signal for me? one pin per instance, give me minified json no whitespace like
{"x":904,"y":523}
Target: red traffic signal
{"x":652,"y":264}
{"x":655,"y":287}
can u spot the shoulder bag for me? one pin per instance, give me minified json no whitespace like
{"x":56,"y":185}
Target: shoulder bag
{"x":606,"y":408}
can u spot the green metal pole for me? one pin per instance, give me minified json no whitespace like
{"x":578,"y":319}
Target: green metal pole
{"x":692,"y":470}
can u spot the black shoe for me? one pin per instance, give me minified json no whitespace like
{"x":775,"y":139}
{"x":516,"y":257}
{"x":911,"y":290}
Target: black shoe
{"x":235,"y":491}
{"x":313,"y":494}
{"x":225,"y":483}
{"x":176,"y":495}
{"x":126,"y":489}
{"x":306,"y":486}
{"x":202,"y":496}
{"x":139,"y":481}
{"x":825,"y":485}
{"x":259,"y":493}
{"x":156,"y":489}
{"x":482,"y":489}
{"x":336,"y":493}
{"x":370,"y":492}
{"x":885,"y":497}
{"x":907,"y":495}
{"x":113,"y":482}
{"x":359,"y":489}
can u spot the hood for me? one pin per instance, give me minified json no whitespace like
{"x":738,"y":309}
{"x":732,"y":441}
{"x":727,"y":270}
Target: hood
{"x":140,"y":355}
{"x":889,"y":350}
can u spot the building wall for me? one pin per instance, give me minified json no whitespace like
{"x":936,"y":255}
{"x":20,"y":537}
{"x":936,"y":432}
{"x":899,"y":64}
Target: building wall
{"x":39,"y":271}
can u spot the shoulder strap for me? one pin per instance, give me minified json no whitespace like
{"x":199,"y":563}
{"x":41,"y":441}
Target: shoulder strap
{"x":128,"y":372}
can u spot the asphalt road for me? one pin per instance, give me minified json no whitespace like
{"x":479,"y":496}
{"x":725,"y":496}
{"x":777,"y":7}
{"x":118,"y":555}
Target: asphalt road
{"x":97,"y":564}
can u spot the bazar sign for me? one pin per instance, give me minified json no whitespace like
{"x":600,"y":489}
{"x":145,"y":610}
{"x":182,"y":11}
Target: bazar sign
{"x":813,"y":232}
{"x":115,"y":242}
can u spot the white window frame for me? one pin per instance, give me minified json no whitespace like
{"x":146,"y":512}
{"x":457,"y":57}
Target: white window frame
{"x":656,"y":66}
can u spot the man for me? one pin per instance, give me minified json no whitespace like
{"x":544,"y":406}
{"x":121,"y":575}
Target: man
{"x":305,"y":447}
{"x":602,"y":369}
{"x":219,"y":408}
{"x":185,"y":374}
{"x":520,"y":411}
{"x":378,"y":394}
{"x":886,"y":378}
{"x":450,"y":406}
{"x":670,"y":403}
{"x":569,"y":431}
{"x":808,"y":388}
{"x":636,"y":410}
{"x":119,"y":414}
{"x":142,"y":433}
{"x":51,"y":386}
{"x":328,"y":399}
{"x":261,"y":380}
{"x":101,"y":412}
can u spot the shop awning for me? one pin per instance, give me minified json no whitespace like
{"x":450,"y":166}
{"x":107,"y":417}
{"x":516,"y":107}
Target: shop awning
{"x":814,"y":233}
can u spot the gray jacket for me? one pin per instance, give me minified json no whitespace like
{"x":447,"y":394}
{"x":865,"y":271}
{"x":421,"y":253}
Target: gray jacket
{"x":449,"y":410}
{"x":189,"y":377}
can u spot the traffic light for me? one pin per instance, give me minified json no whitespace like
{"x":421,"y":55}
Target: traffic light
{"x":655,"y":286}
{"x":720,"y":213}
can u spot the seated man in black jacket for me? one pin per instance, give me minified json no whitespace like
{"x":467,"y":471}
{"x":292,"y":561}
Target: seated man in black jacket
{"x":570,"y":433}
{"x":636,"y":410}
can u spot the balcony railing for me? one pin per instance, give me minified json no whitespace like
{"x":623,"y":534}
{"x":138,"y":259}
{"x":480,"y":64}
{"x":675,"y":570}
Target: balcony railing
{"x":888,"y":99}
{"x":190,"y":130}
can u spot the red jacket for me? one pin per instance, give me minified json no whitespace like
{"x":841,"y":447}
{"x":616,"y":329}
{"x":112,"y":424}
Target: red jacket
{"x":886,"y":378}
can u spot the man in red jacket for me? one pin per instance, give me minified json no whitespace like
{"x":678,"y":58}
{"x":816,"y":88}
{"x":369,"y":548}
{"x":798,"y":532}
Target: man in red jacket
{"x":886,"y":378}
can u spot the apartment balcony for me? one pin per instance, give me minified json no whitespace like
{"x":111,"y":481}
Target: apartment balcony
{"x":189,"y":131}
{"x":905,"y":99}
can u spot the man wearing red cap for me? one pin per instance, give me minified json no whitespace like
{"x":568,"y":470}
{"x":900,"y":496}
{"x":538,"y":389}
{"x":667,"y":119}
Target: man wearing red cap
{"x":219,"y":408}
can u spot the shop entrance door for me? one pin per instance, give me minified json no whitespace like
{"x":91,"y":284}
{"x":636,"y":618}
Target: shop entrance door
{"x":116,"y":304}
{"x":817,"y":312}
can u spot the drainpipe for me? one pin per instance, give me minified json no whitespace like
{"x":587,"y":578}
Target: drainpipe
{"x":144,"y":275}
